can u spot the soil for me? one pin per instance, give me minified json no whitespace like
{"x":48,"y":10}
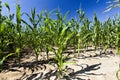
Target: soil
{"x":89,"y":66}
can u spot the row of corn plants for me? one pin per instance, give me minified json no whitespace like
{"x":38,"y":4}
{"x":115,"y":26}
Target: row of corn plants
{"x":42,"y":33}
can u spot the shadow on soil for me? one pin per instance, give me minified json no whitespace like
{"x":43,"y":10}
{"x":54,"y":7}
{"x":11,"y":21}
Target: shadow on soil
{"x":84,"y":71}
{"x":32,"y":66}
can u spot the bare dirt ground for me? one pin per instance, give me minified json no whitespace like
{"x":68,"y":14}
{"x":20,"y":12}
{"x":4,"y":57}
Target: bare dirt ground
{"x":101,"y":67}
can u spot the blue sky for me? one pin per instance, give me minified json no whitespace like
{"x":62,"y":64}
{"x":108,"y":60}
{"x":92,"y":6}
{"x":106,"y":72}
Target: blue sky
{"x":89,"y":7}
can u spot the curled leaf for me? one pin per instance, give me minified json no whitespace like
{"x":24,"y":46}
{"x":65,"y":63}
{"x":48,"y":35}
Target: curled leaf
{"x":7,"y":6}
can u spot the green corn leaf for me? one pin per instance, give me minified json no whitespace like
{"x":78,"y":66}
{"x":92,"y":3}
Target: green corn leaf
{"x":7,"y":5}
{"x":18,"y":17}
{"x":2,"y":28}
{"x":11,"y":16}
{"x":27,"y":24}
{"x":17,"y":50}
{"x":87,"y":36}
{"x":69,"y":36}
{"x":4,"y":58}
{"x":33,"y":12}
{"x":66,"y":15}
{"x":117,"y":73}
{"x":64,"y":30}
{"x":66,"y":63}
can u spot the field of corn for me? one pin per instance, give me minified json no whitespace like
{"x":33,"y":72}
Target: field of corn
{"x":55,"y":41}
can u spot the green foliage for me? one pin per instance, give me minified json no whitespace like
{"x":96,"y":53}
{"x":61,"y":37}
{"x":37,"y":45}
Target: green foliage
{"x":42,"y":33}
{"x":19,"y":34}
{"x":8,"y":7}
{"x":62,"y":35}
{"x":96,"y":32}
{"x":78,"y":29}
{"x":117,"y":24}
{"x":118,"y":73}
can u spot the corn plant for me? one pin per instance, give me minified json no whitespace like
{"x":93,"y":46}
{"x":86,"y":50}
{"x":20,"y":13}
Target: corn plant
{"x":108,"y":35}
{"x":44,"y":32}
{"x":2,"y":26}
{"x":32,"y":31}
{"x":4,"y":40}
{"x":117,"y":73}
{"x":19,"y":34}
{"x":60,"y":31}
{"x":5,"y":35}
{"x":48,"y":33}
{"x":86,"y":33}
{"x":96,"y":29}
{"x":63,"y":40}
{"x":118,"y":35}
{"x":78,"y":25}
{"x":74,"y":26}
